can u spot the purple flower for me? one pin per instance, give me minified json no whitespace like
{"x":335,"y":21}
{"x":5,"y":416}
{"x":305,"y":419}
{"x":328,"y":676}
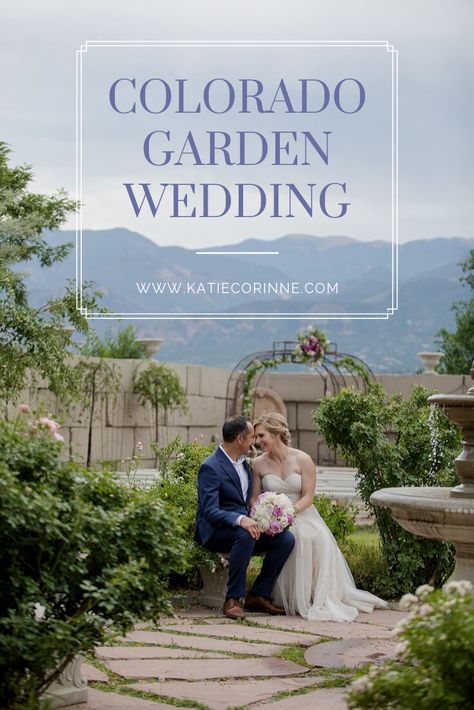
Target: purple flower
{"x":275,"y":528}
{"x":290,"y":519}
{"x":277,"y":510}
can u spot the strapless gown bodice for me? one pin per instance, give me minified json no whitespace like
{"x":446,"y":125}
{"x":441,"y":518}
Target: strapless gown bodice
{"x":291,"y":485}
{"x":315,"y":582}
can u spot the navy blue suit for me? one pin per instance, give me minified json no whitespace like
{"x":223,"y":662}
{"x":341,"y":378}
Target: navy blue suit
{"x":220,"y":503}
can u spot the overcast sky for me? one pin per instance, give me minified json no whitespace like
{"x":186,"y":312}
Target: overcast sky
{"x":434,"y":41}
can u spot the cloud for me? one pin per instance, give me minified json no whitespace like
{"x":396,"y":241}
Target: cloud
{"x":433,"y":39}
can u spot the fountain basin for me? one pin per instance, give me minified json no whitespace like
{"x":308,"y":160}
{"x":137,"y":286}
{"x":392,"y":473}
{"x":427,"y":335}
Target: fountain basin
{"x":434,"y":513}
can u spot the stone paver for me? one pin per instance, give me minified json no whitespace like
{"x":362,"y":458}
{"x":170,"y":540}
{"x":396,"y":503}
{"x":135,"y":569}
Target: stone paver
{"x":334,"y":629}
{"x":205,"y":643}
{"x":350,"y":653}
{"x":92,"y":673}
{"x":383,"y":617}
{"x":323,"y":699}
{"x":133,"y":652}
{"x":219,"y":695}
{"x":100,"y":700}
{"x":195,"y":669}
{"x":199,"y":613}
{"x":244,"y":632}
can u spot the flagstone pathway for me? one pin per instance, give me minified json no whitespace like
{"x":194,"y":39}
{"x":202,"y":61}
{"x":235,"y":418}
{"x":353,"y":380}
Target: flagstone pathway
{"x":198,"y":659}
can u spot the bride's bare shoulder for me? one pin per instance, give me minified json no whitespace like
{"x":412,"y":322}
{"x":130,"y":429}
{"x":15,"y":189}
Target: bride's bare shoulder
{"x":303,"y":457}
{"x":258,"y":462}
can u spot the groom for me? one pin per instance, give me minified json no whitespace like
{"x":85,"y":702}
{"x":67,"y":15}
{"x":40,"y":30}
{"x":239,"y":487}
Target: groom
{"x":223,"y":524}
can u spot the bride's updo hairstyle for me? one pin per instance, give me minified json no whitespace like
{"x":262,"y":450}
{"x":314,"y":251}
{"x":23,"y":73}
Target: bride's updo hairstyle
{"x":276,"y":424}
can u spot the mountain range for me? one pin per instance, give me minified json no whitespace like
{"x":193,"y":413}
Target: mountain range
{"x":115,"y":260}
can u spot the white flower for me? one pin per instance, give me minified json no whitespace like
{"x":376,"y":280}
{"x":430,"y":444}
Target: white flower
{"x":399,"y":627}
{"x":39,"y":610}
{"x":424,"y":590}
{"x":462,"y":587}
{"x":360,"y":685}
{"x":401,"y":649}
{"x":425,"y":609}
{"x":407,"y":601}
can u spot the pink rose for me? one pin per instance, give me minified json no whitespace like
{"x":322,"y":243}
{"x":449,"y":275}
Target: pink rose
{"x":277,"y":510}
{"x":52,"y":425}
{"x":24,"y":408}
{"x":275,"y":528}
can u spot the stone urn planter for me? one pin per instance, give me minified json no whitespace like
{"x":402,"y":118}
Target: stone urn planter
{"x":151,"y":345}
{"x":214,"y":587}
{"x":430,"y":361}
{"x":69,"y":689}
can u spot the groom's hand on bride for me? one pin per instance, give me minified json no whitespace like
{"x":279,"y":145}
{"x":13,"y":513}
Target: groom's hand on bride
{"x":251,"y":527}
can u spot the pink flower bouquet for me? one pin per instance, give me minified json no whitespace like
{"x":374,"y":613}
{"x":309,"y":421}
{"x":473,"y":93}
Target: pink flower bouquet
{"x":273,"y":512}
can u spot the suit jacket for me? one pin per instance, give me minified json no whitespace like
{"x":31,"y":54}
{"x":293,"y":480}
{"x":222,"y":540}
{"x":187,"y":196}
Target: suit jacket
{"x":220,"y":497}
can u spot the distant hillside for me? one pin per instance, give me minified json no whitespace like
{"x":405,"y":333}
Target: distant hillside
{"x":428,"y":285}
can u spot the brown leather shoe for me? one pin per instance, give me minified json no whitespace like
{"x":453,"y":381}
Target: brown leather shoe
{"x":233,"y":609}
{"x":255,"y":602}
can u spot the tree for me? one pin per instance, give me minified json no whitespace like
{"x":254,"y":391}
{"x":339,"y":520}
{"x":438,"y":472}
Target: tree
{"x":123,"y":346}
{"x":160,"y":387}
{"x":458,"y":347}
{"x":33,"y":339}
{"x":394,"y":443}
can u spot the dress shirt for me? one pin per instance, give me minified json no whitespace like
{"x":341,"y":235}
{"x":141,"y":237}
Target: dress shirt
{"x":243,"y":477}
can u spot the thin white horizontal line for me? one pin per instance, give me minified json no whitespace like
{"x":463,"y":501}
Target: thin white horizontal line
{"x":219,"y":253}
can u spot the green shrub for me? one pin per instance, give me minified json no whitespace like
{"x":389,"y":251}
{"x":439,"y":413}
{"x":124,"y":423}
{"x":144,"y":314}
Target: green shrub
{"x":395,"y":443}
{"x":364,"y":556}
{"x":436,"y":656}
{"x":80,"y":555}
{"x":340,"y":519}
{"x":124,"y":345}
{"x":179,"y":463}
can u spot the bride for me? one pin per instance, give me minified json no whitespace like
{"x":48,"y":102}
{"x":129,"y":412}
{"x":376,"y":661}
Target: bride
{"x":315,"y":582}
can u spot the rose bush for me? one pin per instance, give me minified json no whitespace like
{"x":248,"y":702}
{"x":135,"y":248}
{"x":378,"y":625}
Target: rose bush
{"x":436,"y":655}
{"x":81,"y":555}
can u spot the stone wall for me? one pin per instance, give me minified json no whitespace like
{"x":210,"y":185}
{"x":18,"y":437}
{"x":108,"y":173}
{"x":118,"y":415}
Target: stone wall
{"x":119,"y":423}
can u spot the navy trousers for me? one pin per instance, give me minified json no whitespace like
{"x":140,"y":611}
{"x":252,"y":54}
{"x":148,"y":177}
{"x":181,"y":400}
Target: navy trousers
{"x":241,"y":547}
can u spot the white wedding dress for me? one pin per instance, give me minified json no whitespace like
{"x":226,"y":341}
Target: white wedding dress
{"x":315,"y":582}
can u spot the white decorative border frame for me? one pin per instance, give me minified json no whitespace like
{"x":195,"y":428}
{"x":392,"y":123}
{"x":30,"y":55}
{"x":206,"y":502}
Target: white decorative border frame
{"x":241,"y":316}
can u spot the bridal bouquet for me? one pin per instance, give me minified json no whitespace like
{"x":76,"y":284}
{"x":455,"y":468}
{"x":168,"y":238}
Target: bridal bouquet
{"x":273,"y":512}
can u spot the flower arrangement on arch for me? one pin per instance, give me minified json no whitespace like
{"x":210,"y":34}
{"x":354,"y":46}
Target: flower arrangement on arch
{"x":312,"y":345}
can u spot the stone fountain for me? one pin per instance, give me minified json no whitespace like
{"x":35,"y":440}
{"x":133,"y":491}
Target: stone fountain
{"x":443,"y":513}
